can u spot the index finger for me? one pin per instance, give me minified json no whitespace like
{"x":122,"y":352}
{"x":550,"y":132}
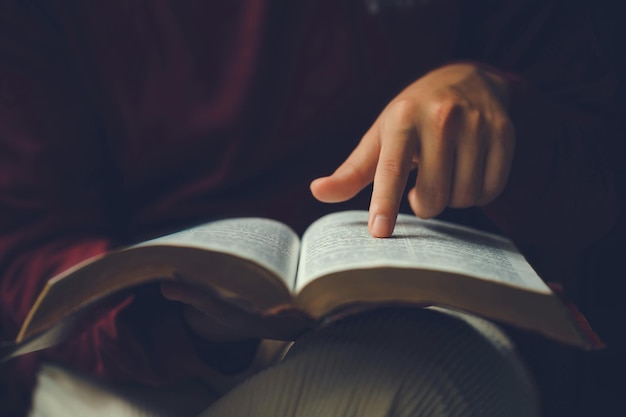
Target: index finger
{"x":398,"y":144}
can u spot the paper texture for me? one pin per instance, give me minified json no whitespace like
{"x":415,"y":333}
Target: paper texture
{"x":341,"y":241}
{"x":268,"y":242}
{"x":63,"y":393}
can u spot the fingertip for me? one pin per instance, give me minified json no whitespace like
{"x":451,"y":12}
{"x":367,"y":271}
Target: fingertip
{"x":315,"y":183}
{"x":333,"y":189}
{"x":421,"y":210}
{"x":316,"y":186}
{"x":381,"y":226}
{"x":319,"y":189}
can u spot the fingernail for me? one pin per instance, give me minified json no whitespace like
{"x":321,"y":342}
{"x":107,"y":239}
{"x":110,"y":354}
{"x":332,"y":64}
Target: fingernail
{"x":380,"y":226}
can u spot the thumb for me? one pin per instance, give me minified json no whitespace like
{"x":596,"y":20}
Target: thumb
{"x":356,"y":172}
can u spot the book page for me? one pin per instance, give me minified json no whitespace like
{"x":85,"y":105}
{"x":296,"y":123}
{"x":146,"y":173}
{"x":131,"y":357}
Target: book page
{"x":64,"y":392}
{"x":267,"y":242}
{"x":51,"y":337}
{"x":341,"y":241}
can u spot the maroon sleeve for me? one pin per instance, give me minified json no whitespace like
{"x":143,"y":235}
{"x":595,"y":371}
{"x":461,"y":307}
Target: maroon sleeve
{"x":56,"y":202}
{"x":561,"y":196}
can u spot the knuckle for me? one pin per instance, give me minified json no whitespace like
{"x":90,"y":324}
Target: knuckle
{"x":383,"y":202}
{"x":445,"y":114}
{"x":451,"y":105}
{"x":444,"y":109}
{"x":478,"y":127}
{"x":504,"y":125}
{"x":391,"y":168}
{"x":476,"y":119}
{"x":402,"y":112}
{"x":505,"y":131}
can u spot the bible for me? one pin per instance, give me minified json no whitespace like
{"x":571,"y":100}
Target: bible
{"x":336,"y":266}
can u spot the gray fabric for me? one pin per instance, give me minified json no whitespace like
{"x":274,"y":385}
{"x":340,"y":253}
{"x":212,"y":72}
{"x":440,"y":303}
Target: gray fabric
{"x":391,"y":363}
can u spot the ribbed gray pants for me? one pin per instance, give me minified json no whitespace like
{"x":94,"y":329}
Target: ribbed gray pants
{"x":391,"y":363}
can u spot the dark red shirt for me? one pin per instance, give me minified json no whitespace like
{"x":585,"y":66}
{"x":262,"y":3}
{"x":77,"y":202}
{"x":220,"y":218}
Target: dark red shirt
{"x":121,"y":120}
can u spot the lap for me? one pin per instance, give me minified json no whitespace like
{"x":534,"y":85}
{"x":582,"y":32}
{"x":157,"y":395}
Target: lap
{"x":391,"y":362}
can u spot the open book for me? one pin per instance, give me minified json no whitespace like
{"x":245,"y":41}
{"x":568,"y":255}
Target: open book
{"x":336,"y":266}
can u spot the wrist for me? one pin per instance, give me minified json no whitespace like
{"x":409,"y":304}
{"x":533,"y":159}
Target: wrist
{"x":500,"y":81}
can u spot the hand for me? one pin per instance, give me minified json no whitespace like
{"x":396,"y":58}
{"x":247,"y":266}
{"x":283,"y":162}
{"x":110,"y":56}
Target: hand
{"x":452,"y":124}
{"x":215,"y":318}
